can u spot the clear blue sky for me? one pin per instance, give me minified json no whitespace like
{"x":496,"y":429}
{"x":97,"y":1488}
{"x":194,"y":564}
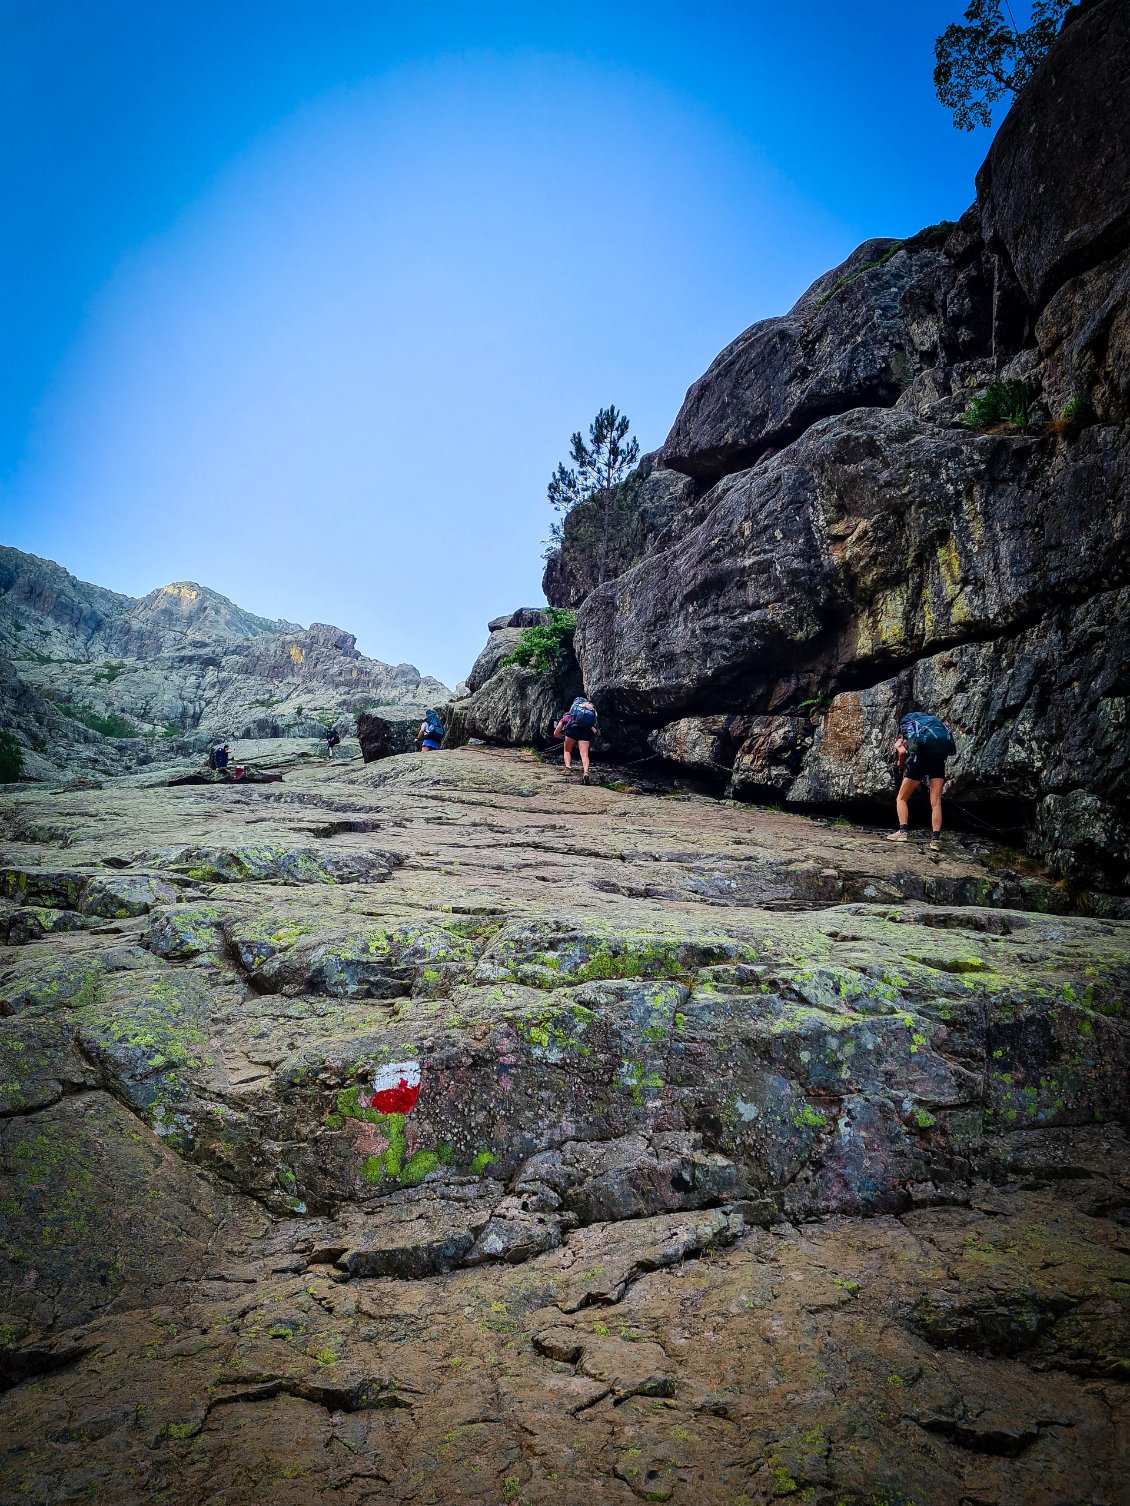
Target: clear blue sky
{"x":302,"y":299}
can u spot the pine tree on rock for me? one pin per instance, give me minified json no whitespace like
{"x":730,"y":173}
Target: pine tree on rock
{"x":597,"y":468}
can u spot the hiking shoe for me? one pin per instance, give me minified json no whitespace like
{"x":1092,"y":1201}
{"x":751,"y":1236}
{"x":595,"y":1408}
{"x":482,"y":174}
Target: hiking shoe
{"x":899,"y":836}
{"x":584,"y":779}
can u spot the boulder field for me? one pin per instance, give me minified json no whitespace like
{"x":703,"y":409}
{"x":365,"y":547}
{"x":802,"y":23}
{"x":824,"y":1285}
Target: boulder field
{"x":439,"y":1130}
{"x":908,"y":491}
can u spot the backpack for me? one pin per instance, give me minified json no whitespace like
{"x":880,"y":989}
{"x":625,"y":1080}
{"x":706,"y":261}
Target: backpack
{"x":433,"y":724}
{"x":582,"y":716}
{"x":332,"y":737}
{"x":927,"y":734}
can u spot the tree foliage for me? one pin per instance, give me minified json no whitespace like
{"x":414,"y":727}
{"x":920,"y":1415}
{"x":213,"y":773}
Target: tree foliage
{"x":598,"y":465}
{"x":597,"y":468}
{"x":990,"y":56}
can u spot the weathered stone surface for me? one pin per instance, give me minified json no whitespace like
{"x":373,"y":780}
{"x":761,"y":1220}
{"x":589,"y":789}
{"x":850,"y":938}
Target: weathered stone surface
{"x":266,"y":863}
{"x":502,"y":642}
{"x":516,"y":705}
{"x":854,"y":340}
{"x":1055,"y":187}
{"x":384,"y":736}
{"x":940,"y":536}
{"x":564,"y":1238}
{"x":524,"y":617}
{"x":707,"y":744}
{"x":1084,"y":338}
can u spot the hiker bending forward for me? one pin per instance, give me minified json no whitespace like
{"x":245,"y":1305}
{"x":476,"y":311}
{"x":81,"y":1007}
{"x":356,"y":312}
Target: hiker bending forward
{"x":921,"y":748}
{"x":577,"y":727}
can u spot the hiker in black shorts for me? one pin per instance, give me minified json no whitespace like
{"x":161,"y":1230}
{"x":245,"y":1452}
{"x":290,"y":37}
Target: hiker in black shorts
{"x":922,"y":747}
{"x":577,"y":727}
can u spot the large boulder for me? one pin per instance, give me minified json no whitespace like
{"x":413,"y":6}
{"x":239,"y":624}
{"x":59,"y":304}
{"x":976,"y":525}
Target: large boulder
{"x":524,"y":617}
{"x":516,"y":706}
{"x":855,"y":339}
{"x":1055,"y":187}
{"x":382,"y":736}
{"x":501,"y":643}
{"x":871,"y":541}
{"x":702,"y":744}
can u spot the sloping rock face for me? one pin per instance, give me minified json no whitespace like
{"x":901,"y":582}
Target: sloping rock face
{"x":855,"y":549}
{"x":91,"y":679}
{"x":442,"y":1131}
{"x":510,"y":704}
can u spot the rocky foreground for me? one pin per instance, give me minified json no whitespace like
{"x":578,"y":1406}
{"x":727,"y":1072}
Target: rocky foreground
{"x":442,"y":1131}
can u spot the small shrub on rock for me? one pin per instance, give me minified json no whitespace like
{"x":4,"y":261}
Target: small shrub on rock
{"x":1002,"y":404}
{"x":548,"y":647}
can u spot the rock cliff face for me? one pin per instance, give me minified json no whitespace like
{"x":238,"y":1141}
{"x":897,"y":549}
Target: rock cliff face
{"x":78,"y":660}
{"x":839,"y":542}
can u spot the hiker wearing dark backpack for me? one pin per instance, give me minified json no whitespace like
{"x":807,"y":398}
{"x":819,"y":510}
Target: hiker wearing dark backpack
{"x":921,"y":748}
{"x":333,"y":740}
{"x":430,"y":736}
{"x":577,"y":727}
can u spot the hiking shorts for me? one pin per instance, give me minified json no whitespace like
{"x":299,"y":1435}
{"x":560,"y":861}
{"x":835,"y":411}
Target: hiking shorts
{"x":925,"y":766}
{"x":579,"y":734}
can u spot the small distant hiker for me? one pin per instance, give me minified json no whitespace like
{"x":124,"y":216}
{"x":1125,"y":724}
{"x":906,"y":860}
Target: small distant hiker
{"x":221,"y":755}
{"x":333,"y":740}
{"x":922,"y":747}
{"x":430,"y":736}
{"x":577,"y":727}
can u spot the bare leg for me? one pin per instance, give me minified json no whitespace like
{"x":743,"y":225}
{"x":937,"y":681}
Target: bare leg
{"x":936,"y":786}
{"x":902,"y":799}
{"x":584,"y":751}
{"x":569,"y":746}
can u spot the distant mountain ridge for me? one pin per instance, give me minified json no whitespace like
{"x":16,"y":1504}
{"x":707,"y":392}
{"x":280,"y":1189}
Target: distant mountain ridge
{"x":86,"y":672}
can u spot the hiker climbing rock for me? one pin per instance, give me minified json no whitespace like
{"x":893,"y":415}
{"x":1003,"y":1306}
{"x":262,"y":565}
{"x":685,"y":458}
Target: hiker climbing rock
{"x":577,"y":727}
{"x":921,"y":749}
{"x":220,"y":756}
{"x":430,"y":736}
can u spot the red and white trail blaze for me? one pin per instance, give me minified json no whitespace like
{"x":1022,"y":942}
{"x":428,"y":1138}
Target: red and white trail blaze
{"x":396,"y":1088}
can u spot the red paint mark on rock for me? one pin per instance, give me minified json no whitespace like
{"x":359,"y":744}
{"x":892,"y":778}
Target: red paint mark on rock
{"x":396,"y":1088}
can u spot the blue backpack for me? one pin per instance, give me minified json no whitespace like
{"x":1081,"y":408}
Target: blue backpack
{"x":927,"y":734}
{"x":582,"y":716}
{"x":433,"y":724}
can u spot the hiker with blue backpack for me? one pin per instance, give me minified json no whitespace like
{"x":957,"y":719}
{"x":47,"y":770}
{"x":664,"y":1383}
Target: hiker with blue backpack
{"x":430,"y":735}
{"x":922,"y":747}
{"x":577,"y":727}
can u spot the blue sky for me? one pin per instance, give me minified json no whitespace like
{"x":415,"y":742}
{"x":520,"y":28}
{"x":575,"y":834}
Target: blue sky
{"x":302,"y":299}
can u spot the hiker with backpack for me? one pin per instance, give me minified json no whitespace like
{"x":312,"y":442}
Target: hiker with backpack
{"x":921,"y":749}
{"x":577,"y":727}
{"x":333,"y":740}
{"x":430,"y":736}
